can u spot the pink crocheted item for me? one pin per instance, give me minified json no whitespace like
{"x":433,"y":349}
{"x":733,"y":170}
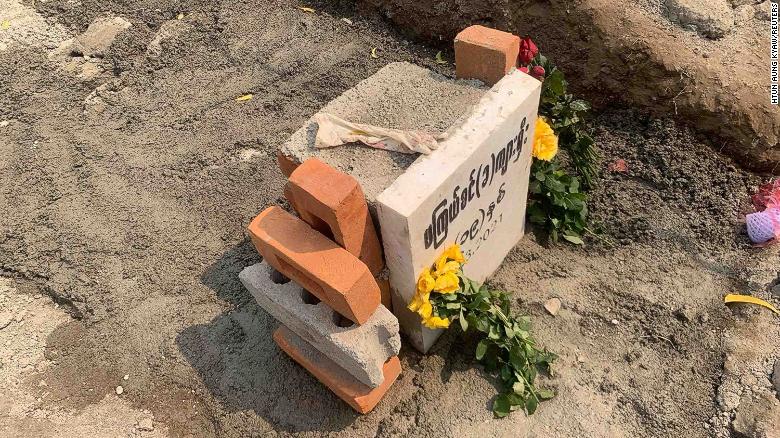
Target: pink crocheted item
{"x":768,"y":196}
{"x":764,"y":225}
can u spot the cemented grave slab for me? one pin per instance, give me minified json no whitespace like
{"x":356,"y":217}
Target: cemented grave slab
{"x":472,"y":191}
{"x":360,"y":350}
{"x":400,"y":96}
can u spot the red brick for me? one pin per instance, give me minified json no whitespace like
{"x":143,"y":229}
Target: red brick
{"x":485,"y":54}
{"x":286,"y":164}
{"x":319,"y":265}
{"x":333,"y":203}
{"x":361,"y":397}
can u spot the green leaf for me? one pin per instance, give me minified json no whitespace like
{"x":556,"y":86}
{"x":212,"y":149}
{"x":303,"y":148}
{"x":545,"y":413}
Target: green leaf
{"x":574,"y":239}
{"x":493,"y":333}
{"x":574,"y":187}
{"x":531,"y":375}
{"x":510,"y":332}
{"x":481,"y":349}
{"x":545,"y":394}
{"x":466,"y":288}
{"x":501,"y":406}
{"x":555,"y":83}
{"x":530,"y":405}
{"x":516,"y":401}
{"x":516,"y":358}
{"x":482,"y":325}
{"x":491,"y":360}
{"x":464,"y":325}
{"x":579,"y":105}
{"x":554,"y":185}
{"x":506,"y":373}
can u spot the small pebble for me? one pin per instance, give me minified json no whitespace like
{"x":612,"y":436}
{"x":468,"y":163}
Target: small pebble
{"x":4,"y":123}
{"x":553,"y":305}
{"x":347,"y":20}
{"x":614,"y":322}
{"x":127,"y":376}
{"x":146,"y":425}
{"x":119,"y":390}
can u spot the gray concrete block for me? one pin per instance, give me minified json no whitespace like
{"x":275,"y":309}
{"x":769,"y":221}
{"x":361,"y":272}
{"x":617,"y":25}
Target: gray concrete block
{"x":361,"y":350}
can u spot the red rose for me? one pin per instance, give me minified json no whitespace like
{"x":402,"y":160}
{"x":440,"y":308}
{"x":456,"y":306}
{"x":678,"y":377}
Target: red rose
{"x":538,"y":72}
{"x":528,"y":51}
{"x":523,"y":69}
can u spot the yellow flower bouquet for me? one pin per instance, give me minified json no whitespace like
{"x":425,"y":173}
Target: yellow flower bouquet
{"x":507,"y":349}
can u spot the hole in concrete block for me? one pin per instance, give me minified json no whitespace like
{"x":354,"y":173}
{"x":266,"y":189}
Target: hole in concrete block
{"x":300,"y":277}
{"x":308,"y":297}
{"x":341,"y":321}
{"x":279,"y":278}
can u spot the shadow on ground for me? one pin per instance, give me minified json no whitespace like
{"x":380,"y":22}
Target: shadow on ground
{"x":244,"y":369}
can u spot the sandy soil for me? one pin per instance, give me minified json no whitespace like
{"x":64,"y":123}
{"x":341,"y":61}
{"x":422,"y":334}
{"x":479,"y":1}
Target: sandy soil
{"x":126,"y":181}
{"x":707,"y":59}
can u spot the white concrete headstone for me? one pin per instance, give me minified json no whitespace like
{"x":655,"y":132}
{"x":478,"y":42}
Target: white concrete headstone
{"x":471,"y":191}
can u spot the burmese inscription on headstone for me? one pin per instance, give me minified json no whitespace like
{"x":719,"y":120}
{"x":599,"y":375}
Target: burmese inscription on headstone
{"x":472,"y":191}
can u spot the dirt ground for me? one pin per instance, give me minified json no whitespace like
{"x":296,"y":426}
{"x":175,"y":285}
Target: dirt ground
{"x":127,"y":179}
{"x":707,"y":59}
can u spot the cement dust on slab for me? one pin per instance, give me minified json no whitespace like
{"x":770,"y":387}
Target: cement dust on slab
{"x":26,"y":408}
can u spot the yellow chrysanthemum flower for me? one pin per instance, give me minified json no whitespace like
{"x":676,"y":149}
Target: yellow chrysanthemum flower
{"x":440,"y":262}
{"x":447,"y":283}
{"x":417,"y":302}
{"x":545,"y":141}
{"x":426,"y":282}
{"x":453,"y":253}
{"x":448,"y":267}
{"x":425,"y":310}
{"x":435,"y":322}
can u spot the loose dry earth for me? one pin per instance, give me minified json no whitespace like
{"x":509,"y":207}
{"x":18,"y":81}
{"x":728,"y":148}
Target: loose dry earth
{"x":707,"y":60}
{"x":128,"y":173}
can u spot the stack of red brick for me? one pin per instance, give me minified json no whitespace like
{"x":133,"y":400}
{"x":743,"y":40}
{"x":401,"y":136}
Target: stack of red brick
{"x":333,"y":252}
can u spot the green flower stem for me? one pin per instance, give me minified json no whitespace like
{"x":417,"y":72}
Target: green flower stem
{"x":506,"y":348}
